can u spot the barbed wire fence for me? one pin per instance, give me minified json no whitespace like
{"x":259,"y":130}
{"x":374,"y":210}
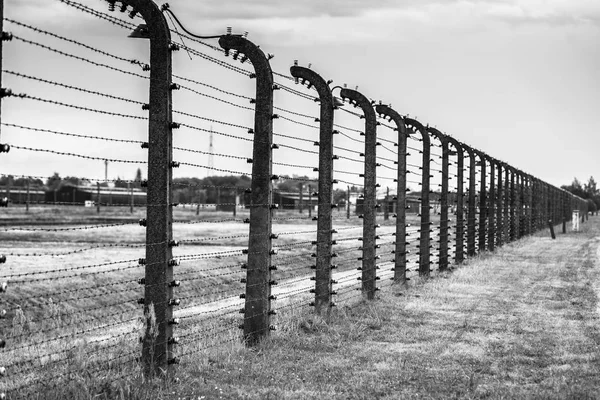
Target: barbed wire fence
{"x":206,"y":263}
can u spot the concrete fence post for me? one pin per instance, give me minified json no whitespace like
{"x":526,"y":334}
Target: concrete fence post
{"x":257,"y":309}
{"x":493,"y":223}
{"x":471,"y":202}
{"x":460,"y":221}
{"x":323,"y":284}
{"x":157,"y":349}
{"x":514,"y":205}
{"x":506,"y":203}
{"x":370,"y":190}
{"x":400,"y":246}
{"x":484,"y":210}
{"x":424,"y":229}
{"x":443,"y":249}
{"x":499,"y":205}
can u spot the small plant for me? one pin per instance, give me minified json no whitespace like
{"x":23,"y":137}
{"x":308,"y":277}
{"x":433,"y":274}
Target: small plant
{"x":21,"y":324}
{"x":149,"y":333}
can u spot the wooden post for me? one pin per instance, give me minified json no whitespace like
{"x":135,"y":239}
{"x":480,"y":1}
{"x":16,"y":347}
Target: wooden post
{"x":9,"y":182}
{"x":551,"y":226}
{"x":348,"y":203}
{"x":235,"y":201}
{"x":27,"y":199}
{"x":218,"y":200}
{"x":301,"y":198}
{"x":97,"y":197}
{"x":131,"y":197}
{"x":386,"y":211}
{"x":309,"y":201}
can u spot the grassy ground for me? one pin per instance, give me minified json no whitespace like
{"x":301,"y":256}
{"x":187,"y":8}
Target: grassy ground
{"x":521,"y":323}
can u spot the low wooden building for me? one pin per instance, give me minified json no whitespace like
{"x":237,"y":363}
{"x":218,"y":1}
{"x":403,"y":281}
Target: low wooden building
{"x":293,"y":200}
{"x":113,"y":196}
{"x":20,"y":195}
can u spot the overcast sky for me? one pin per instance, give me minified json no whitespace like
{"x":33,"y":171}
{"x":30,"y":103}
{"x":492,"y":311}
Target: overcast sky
{"x":518,"y":79}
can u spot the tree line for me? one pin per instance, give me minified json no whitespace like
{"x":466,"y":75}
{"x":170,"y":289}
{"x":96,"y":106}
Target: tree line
{"x":588,"y":191}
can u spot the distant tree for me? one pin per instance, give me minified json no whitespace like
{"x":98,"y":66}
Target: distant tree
{"x":120,"y":183}
{"x":54,"y":181}
{"x":575,"y":188}
{"x":596,"y":200}
{"x":71,"y":179}
{"x":292,"y":185}
{"x":339,"y":197}
{"x":138,"y":176}
{"x":22,"y":182}
{"x":590,"y":188}
{"x":591,"y":206}
{"x":6,"y":179}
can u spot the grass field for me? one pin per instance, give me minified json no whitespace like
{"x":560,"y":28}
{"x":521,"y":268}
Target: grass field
{"x":74,"y":331}
{"x":520,"y":323}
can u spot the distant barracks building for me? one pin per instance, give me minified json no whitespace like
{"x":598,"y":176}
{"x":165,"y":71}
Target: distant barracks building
{"x":69,"y":193}
{"x":75,"y":194}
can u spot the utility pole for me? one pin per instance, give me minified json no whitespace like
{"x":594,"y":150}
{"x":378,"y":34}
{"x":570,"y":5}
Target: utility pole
{"x":105,"y":170}
{"x":211,"y":156}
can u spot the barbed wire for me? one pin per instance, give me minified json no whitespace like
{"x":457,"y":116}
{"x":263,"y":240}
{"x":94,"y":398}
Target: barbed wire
{"x":69,"y":55}
{"x":54,"y":35}
{"x":77,"y":107}
{"x":54,"y":83}
{"x":70,"y":134}
{"x":61,"y":153}
{"x":107,"y":17}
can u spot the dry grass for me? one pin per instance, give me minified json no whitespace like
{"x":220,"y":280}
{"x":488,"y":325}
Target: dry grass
{"x":519,"y":323}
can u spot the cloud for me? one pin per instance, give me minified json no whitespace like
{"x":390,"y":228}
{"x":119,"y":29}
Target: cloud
{"x":551,"y":12}
{"x":263,"y":9}
{"x":358,"y":21}
{"x":548,"y":11}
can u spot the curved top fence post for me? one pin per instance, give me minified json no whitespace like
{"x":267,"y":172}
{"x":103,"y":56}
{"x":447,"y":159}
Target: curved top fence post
{"x":400,"y":249}
{"x":471,"y":202}
{"x":444,"y":231}
{"x":258,"y":280}
{"x":460,"y":227}
{"x":483,"y":197}
{"x":424,"y":243}
{"x":157,"y":350}
{"x":370,"y":190}
{"x":323,"y":288}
